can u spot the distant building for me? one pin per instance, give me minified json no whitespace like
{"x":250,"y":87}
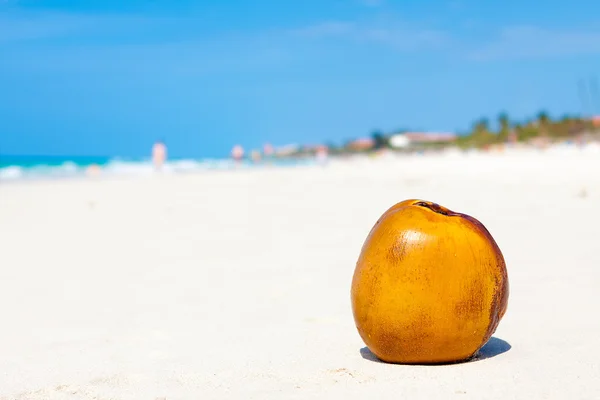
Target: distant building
{"x":399,"y":141}
{"x":361,"y":144}
{"x":287,"y":150}
{"x":410,"y":139}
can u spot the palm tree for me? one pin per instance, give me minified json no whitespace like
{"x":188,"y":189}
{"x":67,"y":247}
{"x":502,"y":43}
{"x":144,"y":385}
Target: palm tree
{"x":504,"y":123}
{"x":482,"y":125}
{"x":543,"y":121}
{"x":543,"y":118}
{"x":481,"y":134}
{"x":380,"y":141}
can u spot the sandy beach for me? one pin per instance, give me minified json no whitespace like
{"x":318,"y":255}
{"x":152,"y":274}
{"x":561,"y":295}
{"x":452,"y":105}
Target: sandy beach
{"x":236,"y":284}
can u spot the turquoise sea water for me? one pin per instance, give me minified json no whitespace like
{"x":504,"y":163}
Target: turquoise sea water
{"x":54,"y":161}
{"x":53,"y":167}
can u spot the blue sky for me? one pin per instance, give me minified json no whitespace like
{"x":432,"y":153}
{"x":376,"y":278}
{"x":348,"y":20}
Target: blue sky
{"x":108,"y":77}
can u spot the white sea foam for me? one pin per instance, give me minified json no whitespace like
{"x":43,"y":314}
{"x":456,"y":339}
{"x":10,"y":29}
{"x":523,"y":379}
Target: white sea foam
{"x":11,"y":173}
{"x":119,"y":167}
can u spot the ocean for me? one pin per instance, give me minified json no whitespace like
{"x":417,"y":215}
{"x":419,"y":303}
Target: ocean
{"x":16,"y":168}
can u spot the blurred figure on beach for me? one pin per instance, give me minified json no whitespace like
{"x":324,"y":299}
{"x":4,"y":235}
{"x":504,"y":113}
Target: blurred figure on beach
{"x":159,"y":154}
{"x":322,"y":155}
{"x":255,"y":156}
{"x":93,"y":170}
{"x":237,"y":153}
{"x":268,"y":152}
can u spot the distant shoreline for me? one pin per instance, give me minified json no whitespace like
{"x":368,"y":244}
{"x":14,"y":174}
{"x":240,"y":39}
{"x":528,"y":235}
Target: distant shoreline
{"x":32,"y":169}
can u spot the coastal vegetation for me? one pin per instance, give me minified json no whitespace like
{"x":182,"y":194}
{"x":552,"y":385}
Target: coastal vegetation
{"x":538,"y":129}
{"x":484,"y":133}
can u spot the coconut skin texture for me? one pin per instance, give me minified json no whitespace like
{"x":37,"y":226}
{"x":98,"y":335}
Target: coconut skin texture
{"x":430,"y":285}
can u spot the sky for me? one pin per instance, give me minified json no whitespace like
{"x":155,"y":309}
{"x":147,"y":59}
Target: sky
{"x":109,"y":77}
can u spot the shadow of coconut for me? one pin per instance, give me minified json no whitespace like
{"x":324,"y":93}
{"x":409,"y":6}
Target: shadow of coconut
{"x":492,"y":348}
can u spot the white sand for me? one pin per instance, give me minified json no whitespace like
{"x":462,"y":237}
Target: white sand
{"x":236,"y":284}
